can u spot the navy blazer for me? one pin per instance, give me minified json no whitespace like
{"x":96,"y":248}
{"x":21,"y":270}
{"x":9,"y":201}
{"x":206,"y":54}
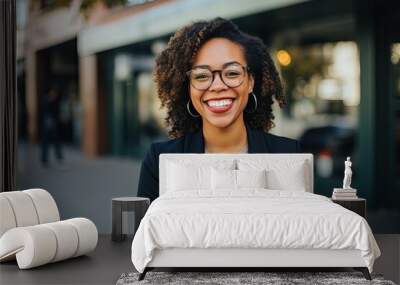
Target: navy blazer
{"x":257,"y":142}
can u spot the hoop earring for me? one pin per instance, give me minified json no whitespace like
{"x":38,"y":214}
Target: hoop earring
{"x":255,"y":104}
{"x":188,"y":109}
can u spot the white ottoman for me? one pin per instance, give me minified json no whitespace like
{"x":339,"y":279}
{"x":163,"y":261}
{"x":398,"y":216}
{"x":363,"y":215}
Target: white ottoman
{"x":31,"y":232}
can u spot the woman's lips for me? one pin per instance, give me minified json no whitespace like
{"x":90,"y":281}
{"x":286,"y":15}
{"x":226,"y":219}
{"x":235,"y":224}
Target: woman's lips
{"x":216,"y":106}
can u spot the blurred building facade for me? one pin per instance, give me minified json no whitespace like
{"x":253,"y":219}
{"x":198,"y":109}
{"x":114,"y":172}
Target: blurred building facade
{"x":340,"y":61}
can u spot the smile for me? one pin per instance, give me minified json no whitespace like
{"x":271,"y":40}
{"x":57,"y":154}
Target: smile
{"x":219,"y":106}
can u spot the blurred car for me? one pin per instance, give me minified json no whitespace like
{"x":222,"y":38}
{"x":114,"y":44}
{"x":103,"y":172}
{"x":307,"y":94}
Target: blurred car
{"x":331,"y":145}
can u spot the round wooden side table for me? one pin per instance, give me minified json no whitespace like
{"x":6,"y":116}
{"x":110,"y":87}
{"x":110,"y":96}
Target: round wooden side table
{"x":138,"y":205}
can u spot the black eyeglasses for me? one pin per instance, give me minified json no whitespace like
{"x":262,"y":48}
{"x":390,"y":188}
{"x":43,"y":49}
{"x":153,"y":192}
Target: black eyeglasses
{"x":232,"y":75}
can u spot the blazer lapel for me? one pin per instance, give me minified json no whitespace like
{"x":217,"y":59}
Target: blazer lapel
{"x":194,"y":141}
{"x":256,"y":141}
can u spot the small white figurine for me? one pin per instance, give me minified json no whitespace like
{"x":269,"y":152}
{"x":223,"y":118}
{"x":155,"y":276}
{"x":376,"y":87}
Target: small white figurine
{"x":347,"y":174}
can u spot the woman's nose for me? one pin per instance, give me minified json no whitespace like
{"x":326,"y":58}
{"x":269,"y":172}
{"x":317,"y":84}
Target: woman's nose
{"x":217,"y":84}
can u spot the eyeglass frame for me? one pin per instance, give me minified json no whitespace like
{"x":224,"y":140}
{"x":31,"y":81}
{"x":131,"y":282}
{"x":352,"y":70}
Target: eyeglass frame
{"x":245,"y":68}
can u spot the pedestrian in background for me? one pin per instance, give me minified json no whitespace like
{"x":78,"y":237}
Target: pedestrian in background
{"x":51,"y":126}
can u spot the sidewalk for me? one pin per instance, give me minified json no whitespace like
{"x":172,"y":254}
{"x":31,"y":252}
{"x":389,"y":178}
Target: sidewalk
{"x":82,"y":187}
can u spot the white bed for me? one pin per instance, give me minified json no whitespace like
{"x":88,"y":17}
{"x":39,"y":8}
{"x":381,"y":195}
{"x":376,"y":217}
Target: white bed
{"x":202,"y":220}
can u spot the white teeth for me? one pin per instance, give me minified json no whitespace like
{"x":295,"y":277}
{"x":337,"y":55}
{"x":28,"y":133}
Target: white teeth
{"x":219,"y":103}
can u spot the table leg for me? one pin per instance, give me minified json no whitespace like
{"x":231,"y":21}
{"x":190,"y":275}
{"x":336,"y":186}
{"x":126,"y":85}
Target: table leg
{"x":117,"y":222}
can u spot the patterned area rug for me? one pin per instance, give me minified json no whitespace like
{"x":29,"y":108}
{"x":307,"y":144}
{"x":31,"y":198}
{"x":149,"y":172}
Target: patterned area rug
{"x":230,"y":278}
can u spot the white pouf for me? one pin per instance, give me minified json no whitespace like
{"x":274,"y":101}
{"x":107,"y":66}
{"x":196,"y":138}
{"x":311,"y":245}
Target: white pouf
{"x":31,"y":232}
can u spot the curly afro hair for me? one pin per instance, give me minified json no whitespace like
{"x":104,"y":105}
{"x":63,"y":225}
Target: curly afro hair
{"x":173,"y":84}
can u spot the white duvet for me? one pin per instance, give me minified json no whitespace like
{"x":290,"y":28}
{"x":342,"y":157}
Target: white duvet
{"x":253,"y":218}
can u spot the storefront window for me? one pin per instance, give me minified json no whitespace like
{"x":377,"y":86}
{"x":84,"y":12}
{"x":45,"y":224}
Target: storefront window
{"x":151,"y":116}
{"x":395,"y":59}
{"x":322,"y":84}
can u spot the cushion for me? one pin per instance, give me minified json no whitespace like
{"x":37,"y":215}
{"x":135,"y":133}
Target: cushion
{"x":40,"y":244}
{"x":185,"y":175}
{"x":223,"y":179}
{"x":182,"y":177}
{"x":236,"y":179}
{"x":26,"y":208}
{"x":45,"y":206}
{"x":7,"y":218}
{"x":67,"y":239}
{"x":291,"y":181}
{"x":23,"y":208}
{"x":288,"y":175}
{"x":251,"y":178}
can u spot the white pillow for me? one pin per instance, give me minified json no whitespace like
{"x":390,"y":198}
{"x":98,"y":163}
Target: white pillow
{"x":293,"y":180}
{"x":223,"y":179}
{"x":181,"y":177}
{"x":280,"y":174}
{"x":251,"y":178}
{"x":228,"y":179}
{"x":185,"y":175}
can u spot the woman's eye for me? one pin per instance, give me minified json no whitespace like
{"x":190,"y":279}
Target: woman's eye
{"x":201,"y":77}
{"x":232,"y":74}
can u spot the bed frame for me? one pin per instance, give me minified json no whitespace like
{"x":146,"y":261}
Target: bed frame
{"x":250,"y":258}
{"x":242,"y":259}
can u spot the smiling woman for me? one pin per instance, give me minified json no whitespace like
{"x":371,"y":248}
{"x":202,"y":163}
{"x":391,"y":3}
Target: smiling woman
{"x":211,"y":46}
{"x":222,"y":99}
{"x":218,"y":85}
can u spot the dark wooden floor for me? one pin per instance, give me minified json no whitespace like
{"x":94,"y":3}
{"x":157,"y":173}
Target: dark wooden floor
{"x":110,"y":260}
